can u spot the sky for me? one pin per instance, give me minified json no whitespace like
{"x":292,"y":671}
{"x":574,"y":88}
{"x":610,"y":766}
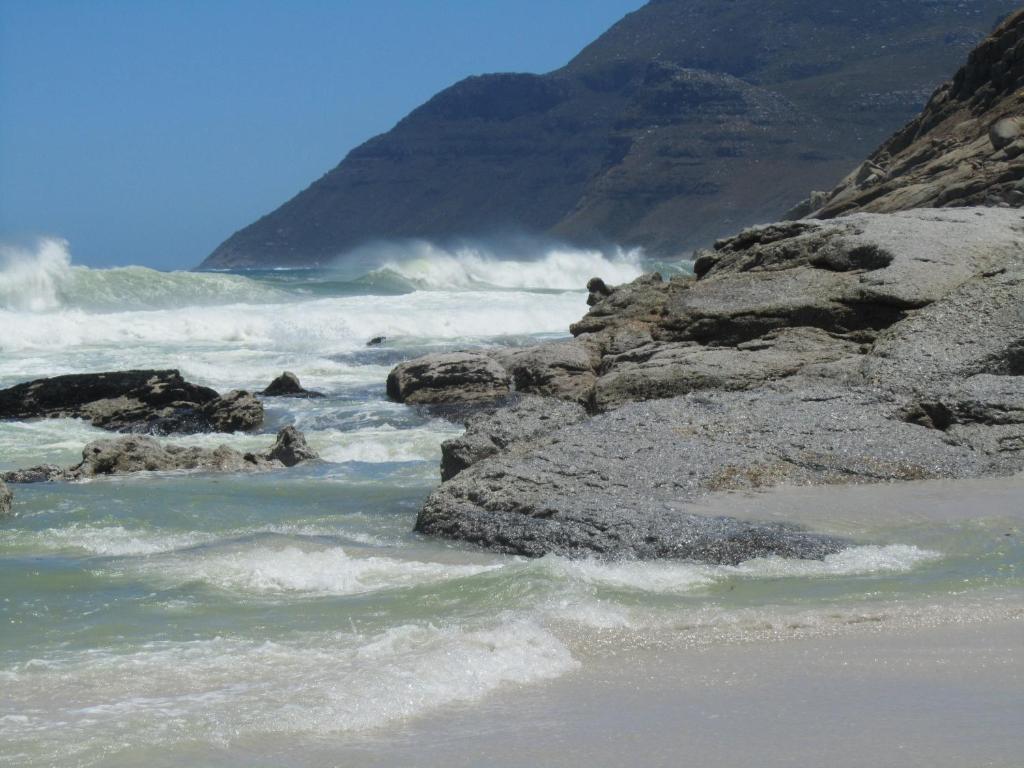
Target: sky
{"x":146,"y":131}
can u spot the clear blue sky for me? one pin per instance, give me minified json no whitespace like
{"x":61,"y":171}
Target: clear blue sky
{"x":146,"y":132}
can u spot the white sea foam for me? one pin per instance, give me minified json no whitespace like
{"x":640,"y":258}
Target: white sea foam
{"x":385,"y":443}
{"x":105,"y":540}
{"x":221,"y":689}
{"x":431,"y":267}
{"x":268,"y":570}
{"x":316,"y":326}
{"x":682,"y":577}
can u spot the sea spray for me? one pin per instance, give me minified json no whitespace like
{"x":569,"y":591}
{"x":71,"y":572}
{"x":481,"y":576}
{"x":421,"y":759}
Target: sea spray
{"x":429,"y":267}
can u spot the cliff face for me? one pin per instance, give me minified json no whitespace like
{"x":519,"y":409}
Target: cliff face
{"x":686,"y":120}
{"x":966,"y":147}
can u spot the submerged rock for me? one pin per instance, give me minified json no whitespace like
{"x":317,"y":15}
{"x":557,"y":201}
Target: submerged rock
{"x":141,"y":453}
{"x":143,"y":401}
{"x":6,"y":497}
{"x":288,"y":385}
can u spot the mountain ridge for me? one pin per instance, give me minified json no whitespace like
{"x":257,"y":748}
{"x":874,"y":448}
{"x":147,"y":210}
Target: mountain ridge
{"x":684,"y":121}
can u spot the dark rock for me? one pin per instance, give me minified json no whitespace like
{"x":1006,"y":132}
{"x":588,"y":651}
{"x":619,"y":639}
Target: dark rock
{"x":448,"y":378}
{"x":43,"y":473}
{"x":290,"y":448}
{"x":237,"y":411}
{"x":145,"y":401}
{"x":287,"y":385}
{"x":598,"y":290}
{"x":376,"y":341}
{"x":6,"y":498}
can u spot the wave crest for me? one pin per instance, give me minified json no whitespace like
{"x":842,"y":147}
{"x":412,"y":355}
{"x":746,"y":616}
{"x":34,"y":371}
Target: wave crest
{"x":43,"y":279}
{"x":425,"y":266}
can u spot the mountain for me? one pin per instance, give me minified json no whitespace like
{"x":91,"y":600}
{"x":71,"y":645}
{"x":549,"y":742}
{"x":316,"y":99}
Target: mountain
{"x":685,"y":120}
{"x":966,"y":148}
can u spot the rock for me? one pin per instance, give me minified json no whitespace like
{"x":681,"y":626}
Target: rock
{"x":237,"y":411}
{"x":563,"y":369}
{"x":663,"y":370}
{"x":597,"y":290}
{"x":945,"y":157}
{"x":619,"y":484}
{"x":486,"y":434}
{"x":143,"y":401}
{"x":867,"y":349}
{"x":6,"y":498}
{"x":43,"y":473}
{"x":1005,"y":132}
{"x":450,"y":377}
{"x":376,"y":341}
{"x":141,"y":453}
{"x":290,"y":448}
{"x":287,"y":385}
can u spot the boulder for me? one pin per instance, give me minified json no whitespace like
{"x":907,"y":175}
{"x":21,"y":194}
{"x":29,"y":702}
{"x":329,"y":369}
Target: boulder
{"x":141,"y":401}
{"x":6,"y":497}
{"x":451,"y":377}
{"x":1006,"y":131}
{"x":288,"y":385}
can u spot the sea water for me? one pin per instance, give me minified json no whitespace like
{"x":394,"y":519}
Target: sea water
{"x":292,"y":616}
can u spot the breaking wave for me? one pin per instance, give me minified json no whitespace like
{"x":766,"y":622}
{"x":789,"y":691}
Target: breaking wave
{"x":425,"y":266}
{"x":43,"y":279}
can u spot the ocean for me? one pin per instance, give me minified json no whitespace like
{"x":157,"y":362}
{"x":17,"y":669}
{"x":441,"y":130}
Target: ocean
{"x":293,"y":618}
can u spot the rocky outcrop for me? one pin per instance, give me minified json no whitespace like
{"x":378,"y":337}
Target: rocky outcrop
{"x":453,"y":377}
{"x":865,"y":349}
{"x":966,"y":148}
{"x":855,"y":296}
{"x":685,"y":121}
{"x":490,"y":432}
{"x":619,"y":484}
{"x":6,"y":499}
{"x":140,"y":453}
{"x":288,"y":385}
{"x":144,"y":401}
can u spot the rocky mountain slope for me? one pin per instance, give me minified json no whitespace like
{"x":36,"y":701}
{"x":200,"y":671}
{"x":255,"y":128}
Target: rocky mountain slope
{"x":966,"y":148}
{"x":685,"y":121}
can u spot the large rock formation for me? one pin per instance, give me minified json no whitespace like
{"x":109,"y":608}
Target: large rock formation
{"x":144,"y":401}
{"x":139,"y":453}
{"x":685,"y":121}
{"x":966,"y":148}
{"x":863,"y":349}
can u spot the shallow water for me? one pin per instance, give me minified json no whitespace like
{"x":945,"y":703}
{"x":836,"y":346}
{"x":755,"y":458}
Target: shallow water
{"x":293,"y":618}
